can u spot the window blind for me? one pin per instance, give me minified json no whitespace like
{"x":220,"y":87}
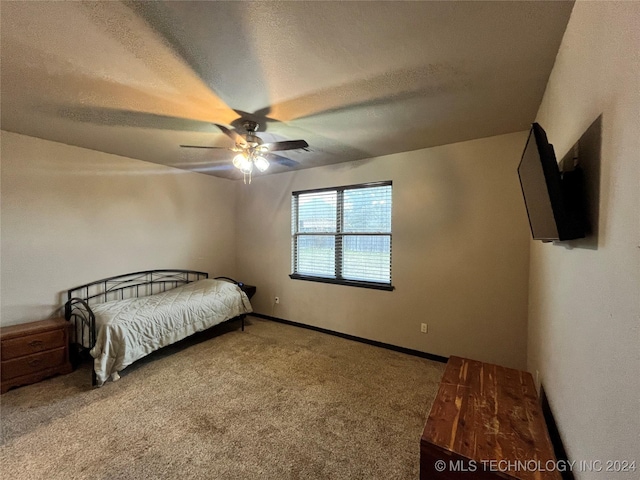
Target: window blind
{"x":343,"y":234}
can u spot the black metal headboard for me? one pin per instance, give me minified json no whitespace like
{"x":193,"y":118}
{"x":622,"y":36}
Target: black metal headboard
{"x":130,"y":285}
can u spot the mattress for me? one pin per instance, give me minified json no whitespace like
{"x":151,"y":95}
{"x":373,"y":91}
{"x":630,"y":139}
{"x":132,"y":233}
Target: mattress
{"x":127,"y":330}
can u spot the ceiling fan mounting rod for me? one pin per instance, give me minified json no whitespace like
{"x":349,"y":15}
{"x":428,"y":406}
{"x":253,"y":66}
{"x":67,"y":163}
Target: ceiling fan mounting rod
{"x":250,"y":126}
{"x":251,"y":139}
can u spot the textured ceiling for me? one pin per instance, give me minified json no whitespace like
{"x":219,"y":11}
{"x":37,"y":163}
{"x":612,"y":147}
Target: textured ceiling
{"x":354,"y":79}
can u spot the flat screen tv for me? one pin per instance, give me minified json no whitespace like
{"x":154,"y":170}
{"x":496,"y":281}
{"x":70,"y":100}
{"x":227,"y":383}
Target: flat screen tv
{"x":553,"y":198}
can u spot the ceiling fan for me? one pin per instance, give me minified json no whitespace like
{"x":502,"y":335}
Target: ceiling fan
{"x":252,"y":152}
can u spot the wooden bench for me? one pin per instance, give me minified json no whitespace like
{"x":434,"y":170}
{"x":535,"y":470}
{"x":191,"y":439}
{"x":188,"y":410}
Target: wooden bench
{"x":486,"y":423}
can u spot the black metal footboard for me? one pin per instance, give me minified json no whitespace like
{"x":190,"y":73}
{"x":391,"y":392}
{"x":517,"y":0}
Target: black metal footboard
{"x":83,"y":332}
{"x":239,"y":284}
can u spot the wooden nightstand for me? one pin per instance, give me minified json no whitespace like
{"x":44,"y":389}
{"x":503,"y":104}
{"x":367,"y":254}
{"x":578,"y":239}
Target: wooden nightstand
{"x":33,"y":351}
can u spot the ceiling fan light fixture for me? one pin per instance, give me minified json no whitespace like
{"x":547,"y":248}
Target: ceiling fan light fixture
{"x":261,"y":163}
{"x":239,"y":161}
{"x":247,"y":167}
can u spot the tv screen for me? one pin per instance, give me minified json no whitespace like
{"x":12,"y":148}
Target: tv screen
{"x":552,"y":212}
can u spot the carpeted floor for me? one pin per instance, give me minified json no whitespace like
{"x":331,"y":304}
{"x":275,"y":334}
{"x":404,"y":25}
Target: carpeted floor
{"x":273,"y":402}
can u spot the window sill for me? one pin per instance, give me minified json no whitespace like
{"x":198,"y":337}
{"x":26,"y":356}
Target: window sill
{"x":349,"y":283}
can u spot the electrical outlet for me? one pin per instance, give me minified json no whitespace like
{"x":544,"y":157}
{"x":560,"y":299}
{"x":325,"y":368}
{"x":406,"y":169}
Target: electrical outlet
{"x":423,"y":328}
{"x":277,"y":299}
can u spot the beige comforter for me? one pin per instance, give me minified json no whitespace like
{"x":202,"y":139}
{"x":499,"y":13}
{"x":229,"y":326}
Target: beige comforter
{"x":127,"y":330}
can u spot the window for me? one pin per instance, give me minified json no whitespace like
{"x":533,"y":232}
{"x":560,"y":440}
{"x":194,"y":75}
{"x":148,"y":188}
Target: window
{"x":343,"y":235}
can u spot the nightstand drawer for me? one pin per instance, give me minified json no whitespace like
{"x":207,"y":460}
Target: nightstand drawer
{"x":33,"y":363}
{"x":18,"y":347}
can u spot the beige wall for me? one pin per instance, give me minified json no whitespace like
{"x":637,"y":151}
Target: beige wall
{"x":460,"y":251}
{"x":584,"y":316}
{"x":71,"y":215}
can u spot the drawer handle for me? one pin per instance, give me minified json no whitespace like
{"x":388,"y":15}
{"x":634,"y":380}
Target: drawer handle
{"x":36,"y":343}
{"x":34,"y":362}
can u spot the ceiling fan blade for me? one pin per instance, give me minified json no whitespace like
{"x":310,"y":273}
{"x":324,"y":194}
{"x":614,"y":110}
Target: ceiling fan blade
{"x":232,"y":134}
{"x":286,"y":145}
{"x":201,"y":146}
{"x":287,"y":162}
{"x":215,"y":167}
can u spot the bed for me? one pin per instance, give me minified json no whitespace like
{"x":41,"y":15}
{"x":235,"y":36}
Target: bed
{"x":121,"y":319}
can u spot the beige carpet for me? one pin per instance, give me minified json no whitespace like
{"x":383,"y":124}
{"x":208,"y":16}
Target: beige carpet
{"x":273,"y":402}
